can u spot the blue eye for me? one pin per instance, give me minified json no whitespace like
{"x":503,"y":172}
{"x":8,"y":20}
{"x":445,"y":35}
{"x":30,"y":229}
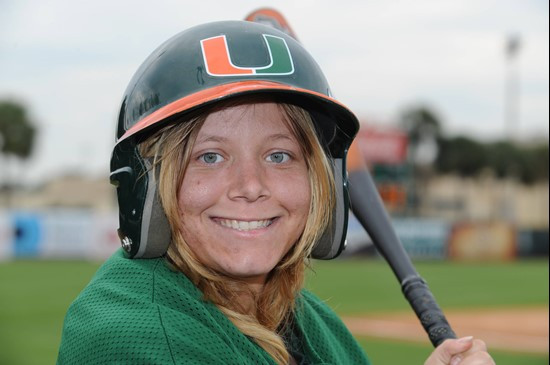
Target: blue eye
{"x":211,"y":158}
{"x":278,"y":157}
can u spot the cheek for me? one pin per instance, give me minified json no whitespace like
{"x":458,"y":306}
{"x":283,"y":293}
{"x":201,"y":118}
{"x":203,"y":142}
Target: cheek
{"x":303,"y":197}
{"x":194,"y":195}
{"x":296,"y":195}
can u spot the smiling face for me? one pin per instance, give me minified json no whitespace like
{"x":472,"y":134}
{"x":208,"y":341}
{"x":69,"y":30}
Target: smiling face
{"x":245,"y":195}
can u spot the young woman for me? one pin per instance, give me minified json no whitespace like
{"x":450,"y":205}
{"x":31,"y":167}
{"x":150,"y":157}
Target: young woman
{"x":230,"y":175}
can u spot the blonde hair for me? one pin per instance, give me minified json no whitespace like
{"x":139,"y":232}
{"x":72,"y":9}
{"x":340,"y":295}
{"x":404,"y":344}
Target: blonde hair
{"x":274,"y":305}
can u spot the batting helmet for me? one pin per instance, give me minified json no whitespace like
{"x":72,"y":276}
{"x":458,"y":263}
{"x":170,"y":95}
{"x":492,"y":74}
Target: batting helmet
{"x":191,"y":71}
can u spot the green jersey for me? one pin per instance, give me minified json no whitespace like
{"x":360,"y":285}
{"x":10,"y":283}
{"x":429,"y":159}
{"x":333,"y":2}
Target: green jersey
{"x":142,"y":312}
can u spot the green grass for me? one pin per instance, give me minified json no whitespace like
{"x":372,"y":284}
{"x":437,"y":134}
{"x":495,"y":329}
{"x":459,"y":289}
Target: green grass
{"x":354,"y":286}
{"x":36,"y":294}
{"x":35,"y":297}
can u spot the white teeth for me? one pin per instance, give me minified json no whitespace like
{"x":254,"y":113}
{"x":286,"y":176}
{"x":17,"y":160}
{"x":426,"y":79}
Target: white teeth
{"x":244,"y":225}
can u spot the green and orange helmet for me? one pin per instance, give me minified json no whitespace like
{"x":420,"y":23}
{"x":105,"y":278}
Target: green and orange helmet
{"x":192,"y":71}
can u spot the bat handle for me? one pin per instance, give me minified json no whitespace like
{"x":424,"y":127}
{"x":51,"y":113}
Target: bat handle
{"x":423,"y":303}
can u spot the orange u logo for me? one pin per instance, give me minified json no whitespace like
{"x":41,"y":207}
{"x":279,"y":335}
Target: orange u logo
{"x":217,"y":58}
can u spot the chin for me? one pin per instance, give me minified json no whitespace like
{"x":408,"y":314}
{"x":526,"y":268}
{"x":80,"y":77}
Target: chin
{"x":250,"y":268}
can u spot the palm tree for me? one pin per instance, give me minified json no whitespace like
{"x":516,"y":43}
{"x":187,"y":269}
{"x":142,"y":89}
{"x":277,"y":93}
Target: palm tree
{"x":423,"y":129}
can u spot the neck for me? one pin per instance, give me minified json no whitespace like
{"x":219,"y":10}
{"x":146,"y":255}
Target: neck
{"x":248,"y":298}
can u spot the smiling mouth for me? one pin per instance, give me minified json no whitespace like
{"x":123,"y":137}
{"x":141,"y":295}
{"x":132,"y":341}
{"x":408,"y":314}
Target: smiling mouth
{"x":244,"y":225}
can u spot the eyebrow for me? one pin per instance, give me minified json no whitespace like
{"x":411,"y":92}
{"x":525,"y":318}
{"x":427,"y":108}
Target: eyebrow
{"x":211,"y":138}
{"x":220,"y":139}
{"x":277,"y":136}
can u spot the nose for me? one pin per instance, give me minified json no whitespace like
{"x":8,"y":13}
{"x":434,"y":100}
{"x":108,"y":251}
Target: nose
{"x":248,"y":181}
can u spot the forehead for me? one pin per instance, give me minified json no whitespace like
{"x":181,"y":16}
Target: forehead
{"x":264,"y":117}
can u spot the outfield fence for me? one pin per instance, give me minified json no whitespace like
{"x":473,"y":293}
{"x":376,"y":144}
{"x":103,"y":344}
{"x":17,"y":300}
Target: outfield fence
{"x":81,"y":233}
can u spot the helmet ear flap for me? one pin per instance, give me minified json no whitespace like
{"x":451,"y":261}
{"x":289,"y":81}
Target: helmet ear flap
{"x":155,"y":229}
{"x":333,"y":240}
{"x":144,"y":230}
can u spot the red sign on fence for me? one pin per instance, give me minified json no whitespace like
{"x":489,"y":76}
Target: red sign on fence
{"x":382,"y":145}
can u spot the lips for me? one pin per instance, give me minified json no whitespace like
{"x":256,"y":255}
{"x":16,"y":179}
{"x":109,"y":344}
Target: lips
{"x":244,"y":225}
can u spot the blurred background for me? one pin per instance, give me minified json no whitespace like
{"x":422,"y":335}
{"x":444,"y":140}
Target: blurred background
{"x":453,"y":103}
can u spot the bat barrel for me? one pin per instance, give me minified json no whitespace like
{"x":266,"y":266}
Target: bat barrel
{"x":368,"y":208}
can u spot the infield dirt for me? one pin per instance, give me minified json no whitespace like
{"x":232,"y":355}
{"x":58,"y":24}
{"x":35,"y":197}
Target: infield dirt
{"x":511,"y":329}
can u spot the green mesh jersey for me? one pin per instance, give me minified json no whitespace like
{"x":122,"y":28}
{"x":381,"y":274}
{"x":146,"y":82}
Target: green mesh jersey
{"x":141,"y":312}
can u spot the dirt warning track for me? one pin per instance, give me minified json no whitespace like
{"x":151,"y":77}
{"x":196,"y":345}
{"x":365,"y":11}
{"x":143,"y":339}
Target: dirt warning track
{"x":511,"y":329}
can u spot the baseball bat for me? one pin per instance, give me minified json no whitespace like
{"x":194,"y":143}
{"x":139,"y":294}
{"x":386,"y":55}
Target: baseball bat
{"x":368,"y":208}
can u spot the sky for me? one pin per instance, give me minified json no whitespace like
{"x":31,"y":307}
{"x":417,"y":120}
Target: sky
{"x":69,"y":63}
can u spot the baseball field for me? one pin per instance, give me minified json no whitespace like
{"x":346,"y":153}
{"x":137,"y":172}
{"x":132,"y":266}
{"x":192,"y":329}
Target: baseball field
{"x":506,"y":303}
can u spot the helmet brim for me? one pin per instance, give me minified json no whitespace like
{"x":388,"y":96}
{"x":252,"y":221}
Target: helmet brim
{"x":318,"y":104}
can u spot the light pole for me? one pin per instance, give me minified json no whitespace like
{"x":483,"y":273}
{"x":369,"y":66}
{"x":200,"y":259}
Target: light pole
{"x":511,"y":93}
{"x":511,"y":120}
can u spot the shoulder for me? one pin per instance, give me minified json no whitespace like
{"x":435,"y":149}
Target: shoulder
{"x":317,"y":310}
{"x":143,"y":312}
{"x":315,"y":313}
{"x":325,"y":333}
{"x":114,"y":316}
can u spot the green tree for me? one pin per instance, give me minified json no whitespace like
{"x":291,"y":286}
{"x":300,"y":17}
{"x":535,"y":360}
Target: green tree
{"x":539,"y":158}
{"x":461,"y":155}
{"x":420,"y":123}
{"x":423,"y":129}
{"x":17,"y":133}
{"x":17,"y":137}
{"x":529,"y":163}
{"x":468,"y":157}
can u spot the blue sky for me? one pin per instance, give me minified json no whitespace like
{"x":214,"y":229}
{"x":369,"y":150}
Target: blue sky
{"x":70,"y":62}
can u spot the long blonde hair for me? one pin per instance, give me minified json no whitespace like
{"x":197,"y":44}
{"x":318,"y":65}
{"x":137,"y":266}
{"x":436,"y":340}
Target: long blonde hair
{"x":171,"y":147}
